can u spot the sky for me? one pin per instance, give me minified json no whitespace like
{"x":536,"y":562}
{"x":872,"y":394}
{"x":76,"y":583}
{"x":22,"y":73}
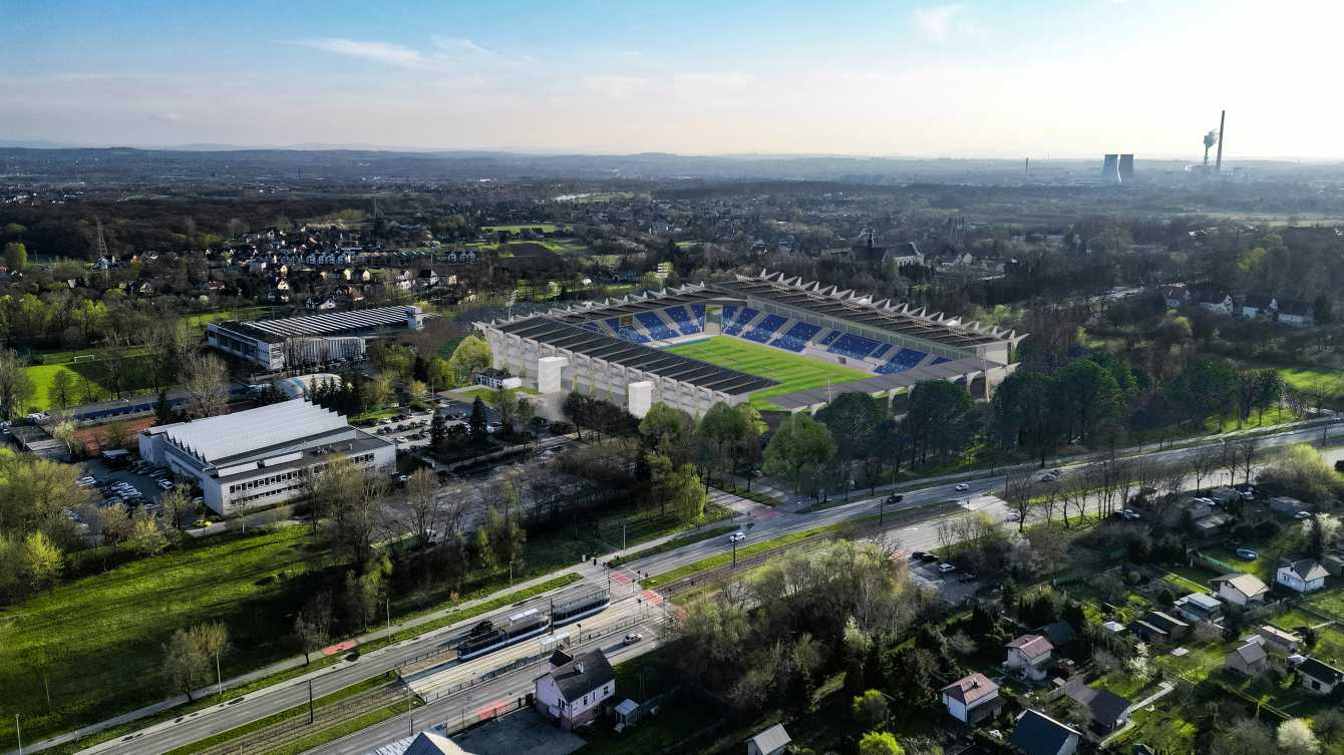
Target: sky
{"x":968,"y":78}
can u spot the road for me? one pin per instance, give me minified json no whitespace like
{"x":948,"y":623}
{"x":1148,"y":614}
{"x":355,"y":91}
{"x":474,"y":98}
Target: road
{"x":760,"y":523}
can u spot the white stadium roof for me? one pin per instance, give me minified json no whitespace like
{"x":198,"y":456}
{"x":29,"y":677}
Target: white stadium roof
{"x":215,"y":438}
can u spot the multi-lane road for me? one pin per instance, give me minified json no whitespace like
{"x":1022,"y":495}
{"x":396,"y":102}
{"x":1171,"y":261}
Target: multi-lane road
{"x":455,"y":687}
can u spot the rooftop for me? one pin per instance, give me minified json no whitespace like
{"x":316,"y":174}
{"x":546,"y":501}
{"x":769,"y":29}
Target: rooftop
{"x":587,"y":672}
{"x":329,"y":323}
{"x":216,"y":439}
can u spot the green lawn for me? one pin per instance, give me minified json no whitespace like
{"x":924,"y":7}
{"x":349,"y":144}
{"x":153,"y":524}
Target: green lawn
{"x":102,"y":636}
{"x":793,"y":372}
{"x":43,"y":376}
{"x":1330,"y":382}
{"x":519,"y":227}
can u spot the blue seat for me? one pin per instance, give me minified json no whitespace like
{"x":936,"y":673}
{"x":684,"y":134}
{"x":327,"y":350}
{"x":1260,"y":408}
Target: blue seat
{"x":655,"y":325}
{"x":683,"y":321}
{"x":852,"y":346}
{"x":901,"y":361}
{"x":829,"y":338}
{"x":765,"y":329}
{"x":796,"y":337}
{"x":743,"y":317}
{"x":884,"y":348}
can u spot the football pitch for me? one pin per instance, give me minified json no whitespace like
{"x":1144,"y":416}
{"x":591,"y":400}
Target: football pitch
{"x":793,"y":372}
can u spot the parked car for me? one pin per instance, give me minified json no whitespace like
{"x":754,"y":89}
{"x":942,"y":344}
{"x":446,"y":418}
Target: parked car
{"x":1302,"y":515}
{"x":946,"y":568}
{"x":633,"y":637}
{"x":166,"y":484}
{"x":1247,"y":554}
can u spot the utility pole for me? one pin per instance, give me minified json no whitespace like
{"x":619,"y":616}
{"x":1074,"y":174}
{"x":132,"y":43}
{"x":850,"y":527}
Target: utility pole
{"x":219,"y":679}
{"x":388,"y":605}
{"x":18,"y":733}
{"x":734,"y":554}
{"x":623,"y":527}
{"x":310,"y":702}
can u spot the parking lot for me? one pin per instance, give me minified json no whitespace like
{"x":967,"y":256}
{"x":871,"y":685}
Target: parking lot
{"x":136,"y":485}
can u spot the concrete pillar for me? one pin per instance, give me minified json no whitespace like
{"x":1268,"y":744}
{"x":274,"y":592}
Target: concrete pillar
{"x":639,"y":397}
{"x":549,"y":370}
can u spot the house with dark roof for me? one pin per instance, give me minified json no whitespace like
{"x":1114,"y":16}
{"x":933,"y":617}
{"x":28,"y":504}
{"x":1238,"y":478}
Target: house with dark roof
{"x":572,"y":694}
{"x":1030,"y":656}
{"x":1199,"y":606}
{"x":972,"y":699}
{"x":1302,"y":575}
{"x":1109,"y":711}
{"x":1156,"y":626}
{"x":1039,"y":734}
{"x":1248,"y":660}
{"x":1318,"y":677}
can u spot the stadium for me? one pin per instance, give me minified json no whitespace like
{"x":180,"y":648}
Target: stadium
{"x":780,"y":343}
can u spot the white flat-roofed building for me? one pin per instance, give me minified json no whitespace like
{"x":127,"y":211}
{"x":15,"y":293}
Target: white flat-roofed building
{"x":260,"y":457}
{"x":309,"y":339}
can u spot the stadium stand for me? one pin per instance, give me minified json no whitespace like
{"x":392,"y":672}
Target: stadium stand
{"x":745,"y":316}
{"x":901,"y":361}
{"x":829,"y":338}
{"x":685,"y":325}
{"x":765,"y":329}
{"x":884,"y":348}
{"x":655,"y":326}
{"x":855,"y":347}
{"x":796,"y":338}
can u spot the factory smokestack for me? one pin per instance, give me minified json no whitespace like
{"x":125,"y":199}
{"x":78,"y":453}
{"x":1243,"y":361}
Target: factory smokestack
{"x":1218,"y":164}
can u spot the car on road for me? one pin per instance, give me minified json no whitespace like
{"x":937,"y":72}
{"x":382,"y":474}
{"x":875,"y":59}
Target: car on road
{"x":1247,"y":554}
{"x":962,"y":487}
{"x":894,"y":499}
{"x":1048,"y":477}
{"x":737,"y":537}
{"x":946,"y":568}
{"x":917,"y":555}
{"x":633,"y":637}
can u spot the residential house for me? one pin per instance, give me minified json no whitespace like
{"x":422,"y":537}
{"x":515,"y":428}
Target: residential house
{"x":1059,"y":633}
{"x":1248,"y":660}
{"x":1175,"y":296}
{"x":427,"y":279}
{"x":1302,"y":575}
{"x":1298,"y":314}
{"x":1251,"y":306}
{"x":572,"y":694}
{"x":1278,"y":640}
{"x":493,"y":378}
{"x":1213,"y":300}
{"x":429,"y":743}
{"x":1030,"y":656}
{"x":1039,"y":734}
{"x":1109,"y":711}
{"x":901,"y":255}
{"x":972,"y":699}
{"x":1199,"y":606}
{"x":1241,"y":589}
{"x":772,"y":741}
{"x":1318,"y":677}
{"x":1156,"y":626}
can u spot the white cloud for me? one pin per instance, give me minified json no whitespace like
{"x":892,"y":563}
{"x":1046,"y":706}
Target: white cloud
{"x":614,"y":86}
{"x":936,"y":22}
{"x":381,"y":52}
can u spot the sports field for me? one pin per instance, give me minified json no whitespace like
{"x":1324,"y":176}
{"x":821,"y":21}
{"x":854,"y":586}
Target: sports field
{"x":794,"y":372}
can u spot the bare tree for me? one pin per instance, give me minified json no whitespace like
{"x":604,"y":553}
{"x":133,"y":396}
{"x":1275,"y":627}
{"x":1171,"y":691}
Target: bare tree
{"x":206,"y":381}
{"x":1247,"y":452}
{"x":422,"y":496}
{"x":1203,"y":462}
{"x":312,"y":624}
{"x":1018,"y":493}
{"x":1229,"y":460}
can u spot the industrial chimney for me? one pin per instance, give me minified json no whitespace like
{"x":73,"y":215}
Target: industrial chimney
{"x":1218,"y":164}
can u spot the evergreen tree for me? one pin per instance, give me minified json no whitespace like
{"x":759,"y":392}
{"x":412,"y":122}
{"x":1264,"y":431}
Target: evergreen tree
{"x":477,"y":421}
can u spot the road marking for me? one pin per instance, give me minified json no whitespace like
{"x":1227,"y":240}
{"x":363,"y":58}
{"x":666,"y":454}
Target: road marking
{"x":653,"y":598}
{"x":621,"y":578}
{"x":339,"y":647}
{"x":490,"y":710}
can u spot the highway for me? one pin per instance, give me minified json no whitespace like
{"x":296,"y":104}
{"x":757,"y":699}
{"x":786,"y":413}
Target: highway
{"x":445,"y":688}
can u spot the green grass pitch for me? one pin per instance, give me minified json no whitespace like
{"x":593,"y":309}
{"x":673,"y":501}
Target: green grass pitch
{"x":793,"y":372}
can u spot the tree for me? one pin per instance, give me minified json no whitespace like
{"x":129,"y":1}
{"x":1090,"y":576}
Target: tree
{"x":184,"y":662}
{"x":41,"y":561}
{"x":853,"y":419}
{"x":16,"y":388}
{"x":178,"y":507}
{"x":477,"y":421}
{"x":506,"y":405}
{"x":471,"y":355}
{"x":677,"y":487}
{"x":1023,"y":413}
{"x":422,"y":497}
{"x":1245,"y":737}
{"x":1019,"y":493}
{"x":880,"y":743}
{"x":205,"y":378}
{"x":870,"y":709}
{"x":800,"y":443}
{"x":145,"y":536}
{"x":578,"y":410}
{"x":115,"y":435}
{"x":1089,"y":398}
{"x":938,"y":419}
{"x":16,"y":256}
{"x":60,"y":393}
{"x":163,"y":412}
{"x":213,"y":641}
{"x":668,"y":431}
{"x":364,"y":591}
{"x":312,"y":625}
{"x":721,"y":428}
{"x":1295,"y":737}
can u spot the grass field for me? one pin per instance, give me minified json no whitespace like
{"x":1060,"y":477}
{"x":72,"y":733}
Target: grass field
{"x":1329,"y":382}
{"x":518,"y":227}
{"x":99,"y":639}
{"x":794,"y":373}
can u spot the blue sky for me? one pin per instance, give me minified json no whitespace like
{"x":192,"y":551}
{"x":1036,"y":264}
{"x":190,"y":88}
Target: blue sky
{"x":1048,"y":78}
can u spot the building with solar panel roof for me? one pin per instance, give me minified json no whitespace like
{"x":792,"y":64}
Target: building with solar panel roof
{"x":623,"y":351}
{"x":262,"y":456}
{"x":294,"y":342}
